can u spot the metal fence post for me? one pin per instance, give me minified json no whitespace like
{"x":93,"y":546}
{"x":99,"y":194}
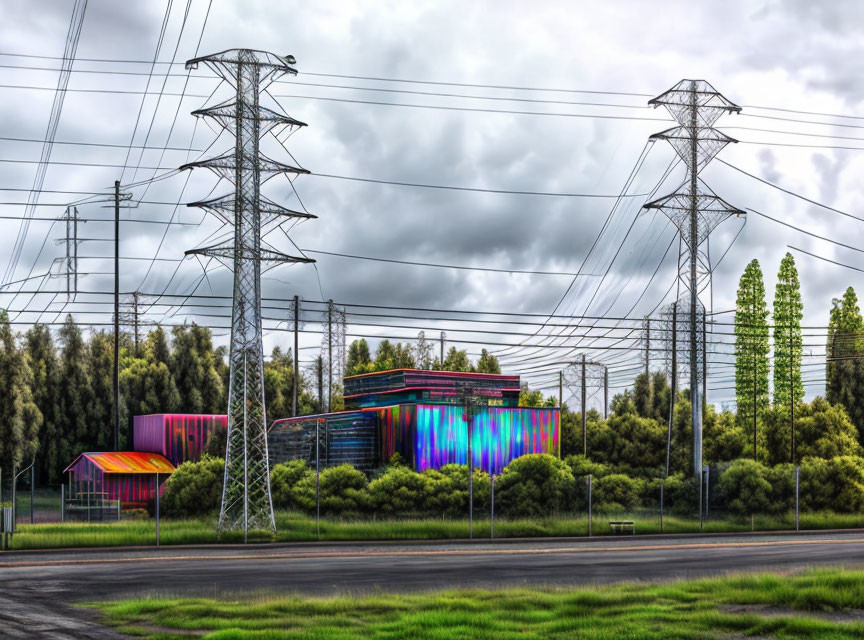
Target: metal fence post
{"x":317,"y":482}
{"x":62,"y":503}
{"x":701,"y":482}
{"x":797,"y":486}
{"x":589,"y":506}
{"x":707,"y":489}
{"x":492,"y":512}
{"x":157,"y":509}
{"x":662,"y":487}
{"x":32,"y":489}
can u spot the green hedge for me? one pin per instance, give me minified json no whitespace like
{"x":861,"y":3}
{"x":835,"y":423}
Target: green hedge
{"x":533,"y":486}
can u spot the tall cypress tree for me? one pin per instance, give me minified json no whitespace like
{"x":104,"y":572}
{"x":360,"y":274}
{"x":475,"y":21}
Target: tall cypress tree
{"x":100,"y":410}
{"x":751,"y":350}
{"x":20,"y":418}
{"x":788,"y":311}
{"x":844,"y":371}
{"x":73,"y":398}
{"x":43,"y":363}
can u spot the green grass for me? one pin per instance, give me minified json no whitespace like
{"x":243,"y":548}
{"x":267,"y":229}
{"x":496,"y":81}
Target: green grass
{"x":785,"y":607}
{"x":296,"y":527}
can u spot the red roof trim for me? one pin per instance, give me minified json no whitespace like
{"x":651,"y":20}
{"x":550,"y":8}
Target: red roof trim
{"x":435,"y":372}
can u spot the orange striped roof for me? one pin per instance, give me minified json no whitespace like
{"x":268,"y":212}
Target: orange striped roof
{"x":127,"y":462}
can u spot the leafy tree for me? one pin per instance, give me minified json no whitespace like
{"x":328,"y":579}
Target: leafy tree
{"x":73,"y":396}
{"x":751,"y":349}
{"x":723,"y":437}
{"x":20,"y":418}
{"x":279,"y":385}
{"x":636,"y":442}
{"x":398,"y":490}
{"x":787,"y":336}
{"x":643,"y":400}
{"x":194,"y":365}
{"x":535,"y":485}
{"x":385,"y":356}
{"x":844,"y":368}
{"x":487,"y":363}
{"x":42,"y":357}
{"x":100,"y":410}
{"x":528,"y":398}
{"x":823,"y":430}
{"x":423,"y":352}
{"x":358,"y":357}
{"x":404,"y":356}
{"x":156,"y":347}
{"x":457,"y":360}
{"x":146,"y":387}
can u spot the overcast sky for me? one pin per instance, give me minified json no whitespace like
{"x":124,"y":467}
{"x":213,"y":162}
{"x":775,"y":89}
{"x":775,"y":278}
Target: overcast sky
{"x":801,"y":56}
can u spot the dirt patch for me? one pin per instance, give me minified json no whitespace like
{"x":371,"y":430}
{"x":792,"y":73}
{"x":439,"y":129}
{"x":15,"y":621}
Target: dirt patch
{"x":777,"y":611}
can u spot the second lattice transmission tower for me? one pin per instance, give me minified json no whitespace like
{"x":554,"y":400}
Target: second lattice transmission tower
{"x":246,"y":500}
{"x":695,"y":211}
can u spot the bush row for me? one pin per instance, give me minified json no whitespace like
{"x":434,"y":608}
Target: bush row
{"x":533,"y":486}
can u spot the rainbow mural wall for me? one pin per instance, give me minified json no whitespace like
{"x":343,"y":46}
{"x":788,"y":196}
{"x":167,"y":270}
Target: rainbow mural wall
{"x":430,"y":436}
{"x":177,"y":436}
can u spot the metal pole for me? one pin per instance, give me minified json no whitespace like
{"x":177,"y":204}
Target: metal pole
{"x":590,"y":506}
{"x":442,"y":349}
{"x":707,"y":489}
{"x":584,"y":423}
{"x":647,"y":343}
{"x":791,"y":394}
{"x":753,"y":359}
{"x":296,"y":355}
{"x":672,"y":384}
{"x":321,"y":383}
{"x":89,"y":493}
{"x":329,"y":355}
{"x":701,"y":477}
{"x":157,"y":509}
{"x":560,"y":389}
{"x":695,"y":399}
{"x":470,"y":473}
{"x":75,"y":252}
{"x":605,"y":392}
{"x":662,"y":487}
{"x":317,"y":481}
{"x":797,"y":486}
{"x":116,"y":315}
{"x":32,"y":488}
{"x":492,"y":513}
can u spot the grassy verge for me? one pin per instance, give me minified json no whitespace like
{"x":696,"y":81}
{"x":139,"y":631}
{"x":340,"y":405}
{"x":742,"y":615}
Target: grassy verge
{"x":295,"y":527}
{"x":813,"y":604}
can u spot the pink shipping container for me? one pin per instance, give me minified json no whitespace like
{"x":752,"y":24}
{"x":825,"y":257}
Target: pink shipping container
{"x":177,"y":436}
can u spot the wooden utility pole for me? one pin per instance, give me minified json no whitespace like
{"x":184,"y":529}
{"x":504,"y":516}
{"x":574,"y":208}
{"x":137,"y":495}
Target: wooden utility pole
{"x":116,"y":381}
{"x":296,"y":356}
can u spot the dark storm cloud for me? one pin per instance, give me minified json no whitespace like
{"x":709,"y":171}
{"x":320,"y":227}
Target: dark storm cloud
{"x":798,"y":55}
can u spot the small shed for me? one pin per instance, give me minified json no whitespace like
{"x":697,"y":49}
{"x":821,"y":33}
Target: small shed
{"x":127,"y":476}
{"x":177,"y":436}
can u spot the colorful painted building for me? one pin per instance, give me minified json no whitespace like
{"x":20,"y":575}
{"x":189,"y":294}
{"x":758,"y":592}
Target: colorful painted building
{"x":422,"y":416}
{"x":177,"y":436}
{"x":128,"y":476}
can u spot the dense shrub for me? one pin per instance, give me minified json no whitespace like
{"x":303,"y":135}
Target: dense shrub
{"x":836,"y":484}
{"x":194,"y":489}
{"x":398,"y":490}
{"x":342,"y":491}
{"x":284,"y":479}
{"x":534,"y":485}
{"x":744,"y":488}
{"x":616,"y":492}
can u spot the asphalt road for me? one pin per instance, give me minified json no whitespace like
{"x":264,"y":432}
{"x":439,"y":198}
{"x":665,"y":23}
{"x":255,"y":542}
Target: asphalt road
{"x":36,"y":587}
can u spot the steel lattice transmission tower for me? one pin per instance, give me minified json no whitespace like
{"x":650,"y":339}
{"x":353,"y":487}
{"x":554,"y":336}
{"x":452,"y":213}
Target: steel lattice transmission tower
{"x":695,"y":211}
{"x":246,"y":500}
